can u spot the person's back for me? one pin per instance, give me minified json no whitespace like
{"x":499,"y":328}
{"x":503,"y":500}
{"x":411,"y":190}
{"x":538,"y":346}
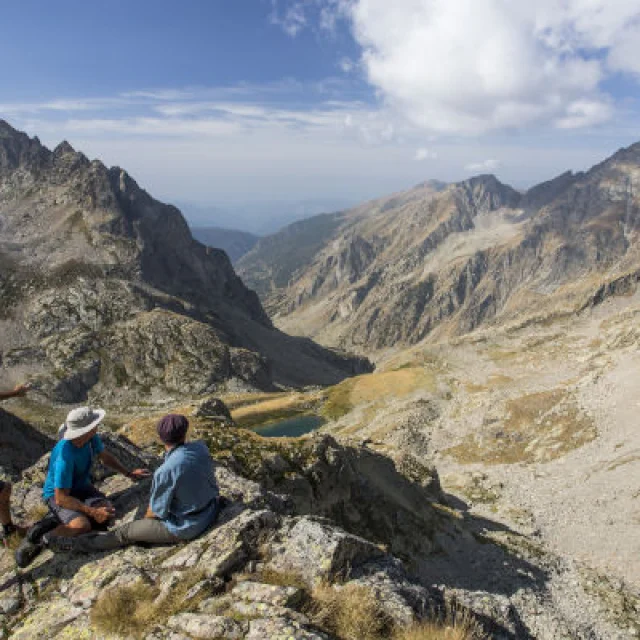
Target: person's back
{"x":185,"y":492}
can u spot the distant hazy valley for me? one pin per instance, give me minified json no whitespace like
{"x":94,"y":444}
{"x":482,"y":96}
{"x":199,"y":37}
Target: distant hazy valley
{"x":233,"y":242}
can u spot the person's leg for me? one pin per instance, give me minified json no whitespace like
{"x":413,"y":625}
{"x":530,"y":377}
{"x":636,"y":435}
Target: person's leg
{"x":72,"y":523}
{"x":145,"y":531}
{"x":75,"y":523}
{"x":6,"y":522}
{"x":5,"y":501}
{"x":75,"y":527}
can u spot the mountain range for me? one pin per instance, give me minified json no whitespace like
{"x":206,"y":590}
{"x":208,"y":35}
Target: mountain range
{"x":104,"y":290}
{"x":440,"y":260}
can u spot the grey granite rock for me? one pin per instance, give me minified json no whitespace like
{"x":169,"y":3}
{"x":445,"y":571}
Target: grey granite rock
{"x":203,"y":626}
{"x":316,"y":550}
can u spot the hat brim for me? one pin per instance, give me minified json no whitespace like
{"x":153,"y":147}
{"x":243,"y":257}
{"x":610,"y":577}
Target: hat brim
{"x":72,"y":434}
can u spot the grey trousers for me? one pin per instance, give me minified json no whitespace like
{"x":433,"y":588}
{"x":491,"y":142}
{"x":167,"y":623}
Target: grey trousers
{"x":145,"y":531}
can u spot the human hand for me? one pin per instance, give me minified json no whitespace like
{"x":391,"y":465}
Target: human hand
{"x":139,"y":474}
{"x":102,"y":514}
{"x":21,"y":389}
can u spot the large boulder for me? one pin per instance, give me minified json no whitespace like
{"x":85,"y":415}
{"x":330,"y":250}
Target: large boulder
{"x":213,"y":409}
{"x":318,"y":551}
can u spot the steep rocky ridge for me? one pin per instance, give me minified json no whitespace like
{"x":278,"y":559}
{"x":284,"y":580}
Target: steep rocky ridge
{"x":104,"y":289}
{"x":279,"y":259}
{"x":250,"y":575}
{"x":473,"y":254}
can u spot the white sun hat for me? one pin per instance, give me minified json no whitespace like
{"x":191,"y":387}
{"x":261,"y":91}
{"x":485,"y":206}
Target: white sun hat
{"x":80,"y":421}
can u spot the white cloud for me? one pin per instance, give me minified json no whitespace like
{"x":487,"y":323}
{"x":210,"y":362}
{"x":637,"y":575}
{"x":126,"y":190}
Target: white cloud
{"x":485,"y":166}
{"x":155,"y":127}
{"x":292,"y":21}
{"x":287,"y":140}
{"x":583,"y":113}
{"x":425,"y":154}
{"x":470,"y":66}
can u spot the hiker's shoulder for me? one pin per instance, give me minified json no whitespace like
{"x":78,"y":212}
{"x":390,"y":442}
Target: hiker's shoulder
{"x":198,"y":446}
{"x":63,"y":449}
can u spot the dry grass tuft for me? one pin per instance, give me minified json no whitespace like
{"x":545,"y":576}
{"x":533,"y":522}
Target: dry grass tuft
{"x":458,"y":624}
{"x":280,"y":578}
{"x":132,"y":609}
{"x":125,"y":610}
{"x":351,"y":612}
{"x":354,"y":612}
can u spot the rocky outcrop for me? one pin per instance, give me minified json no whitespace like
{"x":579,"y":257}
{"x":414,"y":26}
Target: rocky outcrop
{"x":105,"y":293}
{"x":213,"y":409}
{"x":436,"y":263}
{"x":269,"y":567}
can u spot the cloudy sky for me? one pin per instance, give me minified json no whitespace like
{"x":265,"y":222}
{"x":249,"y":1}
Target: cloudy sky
{"x":241,"y":103}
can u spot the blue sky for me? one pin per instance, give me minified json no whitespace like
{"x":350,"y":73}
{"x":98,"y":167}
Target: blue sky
{"x":252,"y":104}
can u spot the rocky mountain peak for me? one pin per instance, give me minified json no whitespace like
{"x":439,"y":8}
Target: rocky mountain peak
{"x":487,"y":191}
{"x":6,"y":130}
{"x":18,"y":149}
{"x":63,"y":148}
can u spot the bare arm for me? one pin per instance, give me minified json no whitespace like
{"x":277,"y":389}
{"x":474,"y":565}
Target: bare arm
{"x":111,"y":461}
{"x":20,"y":390}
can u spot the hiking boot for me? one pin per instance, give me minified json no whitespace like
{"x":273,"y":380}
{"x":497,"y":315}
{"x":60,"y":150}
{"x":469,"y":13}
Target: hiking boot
{"x":36,"y":531}
{"x":27,"y":552}
{"x":58,"y":544}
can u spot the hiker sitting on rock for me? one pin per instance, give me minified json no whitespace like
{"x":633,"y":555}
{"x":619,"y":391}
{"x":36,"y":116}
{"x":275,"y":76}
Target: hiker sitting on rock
{"x":76,"y":506}
{"x":8,"y":527}
{"x":184,"y":498}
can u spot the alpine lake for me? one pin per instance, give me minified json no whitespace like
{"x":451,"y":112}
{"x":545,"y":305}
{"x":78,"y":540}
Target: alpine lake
{"x":291,"y":427}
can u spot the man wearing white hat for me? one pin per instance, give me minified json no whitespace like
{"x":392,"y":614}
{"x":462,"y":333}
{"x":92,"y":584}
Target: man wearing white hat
{"x":68,"y":490}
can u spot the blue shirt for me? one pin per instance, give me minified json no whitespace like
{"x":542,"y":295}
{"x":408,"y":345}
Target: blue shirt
{"x":70,"y":466}
{"x":184,"y":491}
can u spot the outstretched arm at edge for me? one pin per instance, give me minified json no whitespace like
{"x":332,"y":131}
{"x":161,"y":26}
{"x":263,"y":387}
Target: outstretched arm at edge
{"x":111,"y":461}
{"x":20,"y":390}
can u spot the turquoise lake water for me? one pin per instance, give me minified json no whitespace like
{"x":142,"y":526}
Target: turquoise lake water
{"x":291,"y":427}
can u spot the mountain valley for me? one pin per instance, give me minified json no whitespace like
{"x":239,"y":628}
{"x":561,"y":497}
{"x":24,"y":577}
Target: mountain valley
{"x":489,"y":465}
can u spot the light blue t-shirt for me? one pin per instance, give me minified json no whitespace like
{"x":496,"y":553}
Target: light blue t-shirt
{"x":70,"y":466}
{"x":184,"y":491}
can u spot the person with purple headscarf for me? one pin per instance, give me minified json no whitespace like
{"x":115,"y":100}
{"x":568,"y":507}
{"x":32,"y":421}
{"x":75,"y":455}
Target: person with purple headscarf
{"x":184,"y":498}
